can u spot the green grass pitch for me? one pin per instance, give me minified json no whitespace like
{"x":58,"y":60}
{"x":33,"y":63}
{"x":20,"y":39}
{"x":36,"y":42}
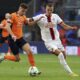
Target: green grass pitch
{"x":48,"y":64}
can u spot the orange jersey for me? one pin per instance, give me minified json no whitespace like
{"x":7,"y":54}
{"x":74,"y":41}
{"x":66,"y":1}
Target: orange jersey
{"x":18,"y":22}
{"x":4,"y":32}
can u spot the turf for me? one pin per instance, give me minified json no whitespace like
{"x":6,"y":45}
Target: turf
{"x":48,"y":64}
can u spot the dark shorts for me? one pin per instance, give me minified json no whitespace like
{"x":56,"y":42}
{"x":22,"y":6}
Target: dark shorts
{"x":3,"y":39}
{"x":20,"y":42}
{"x":15,"y":46}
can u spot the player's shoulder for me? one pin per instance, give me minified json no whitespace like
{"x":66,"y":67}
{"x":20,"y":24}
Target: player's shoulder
{"x":43,"y":14}
{"x":3,"y":20}
{"x":13,"y":14}
{"x":54,"y":14}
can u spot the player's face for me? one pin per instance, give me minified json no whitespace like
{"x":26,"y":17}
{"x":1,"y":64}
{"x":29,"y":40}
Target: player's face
{"x":22,"y":11}
{"x":49,"y":10}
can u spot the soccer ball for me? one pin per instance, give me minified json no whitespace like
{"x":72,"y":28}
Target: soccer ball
{"x":33,"y":71}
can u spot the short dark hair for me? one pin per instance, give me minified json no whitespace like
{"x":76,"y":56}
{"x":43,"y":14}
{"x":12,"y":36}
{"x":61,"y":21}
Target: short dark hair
{"x":24,"y":5}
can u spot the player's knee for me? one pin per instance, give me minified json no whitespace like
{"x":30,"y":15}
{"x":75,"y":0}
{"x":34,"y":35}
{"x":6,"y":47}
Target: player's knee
{"x":54,"y":53}
{"x":28,"y":51}
{"x":57,"y":52}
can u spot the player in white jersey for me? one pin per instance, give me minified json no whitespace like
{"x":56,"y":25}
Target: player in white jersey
{"x":49,"y":32}
{"x":48,"y":24}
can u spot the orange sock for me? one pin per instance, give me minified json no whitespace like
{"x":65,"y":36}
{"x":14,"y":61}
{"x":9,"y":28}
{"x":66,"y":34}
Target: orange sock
{"x":10,"y":57}
{"x":31,"y":59}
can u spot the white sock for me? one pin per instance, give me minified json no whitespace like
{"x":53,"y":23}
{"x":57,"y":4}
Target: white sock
{"x":64,"y":63}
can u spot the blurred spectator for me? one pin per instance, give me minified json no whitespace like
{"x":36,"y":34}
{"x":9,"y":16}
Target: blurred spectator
{"x":71,"y":36}
{"x":72,"y":15}
{"x":78,"y":15}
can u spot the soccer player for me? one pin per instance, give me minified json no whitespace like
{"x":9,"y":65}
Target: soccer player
{"x":16,"y":40}
{"x":50,"y":35}
{"x":4,"y":32}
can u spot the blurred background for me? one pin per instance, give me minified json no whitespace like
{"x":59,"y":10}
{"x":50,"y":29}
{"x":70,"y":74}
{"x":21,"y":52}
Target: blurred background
{"x":68,"y":10}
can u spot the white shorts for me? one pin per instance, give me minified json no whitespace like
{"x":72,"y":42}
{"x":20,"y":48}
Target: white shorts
{"x":53,"y":45}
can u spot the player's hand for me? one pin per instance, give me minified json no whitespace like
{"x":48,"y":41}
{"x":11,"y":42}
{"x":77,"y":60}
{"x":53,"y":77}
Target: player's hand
{"x":14,"y":37}
{"x":74,"y":28}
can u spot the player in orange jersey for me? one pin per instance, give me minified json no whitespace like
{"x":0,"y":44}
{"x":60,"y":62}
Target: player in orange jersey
{"x":4,"y":33}
{"x":16,"y":40}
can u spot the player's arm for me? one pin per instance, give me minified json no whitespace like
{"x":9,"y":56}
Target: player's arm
{"x":9,"y":24}
{"x":33,"y":21}
{"x":63,"y":24}
{"x":1,"y":26}
{"x":8,"y":28}
{"x":67,"y":27}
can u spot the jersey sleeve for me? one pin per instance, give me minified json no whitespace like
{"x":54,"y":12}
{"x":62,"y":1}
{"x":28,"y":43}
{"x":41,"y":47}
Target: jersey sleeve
{"x":36,"y":17}
{"x":59,"y":20}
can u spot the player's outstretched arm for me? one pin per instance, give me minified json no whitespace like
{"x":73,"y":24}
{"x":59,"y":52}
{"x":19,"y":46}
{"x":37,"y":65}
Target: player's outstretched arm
{"x":31,"y":21}
{"x":67,"y":27}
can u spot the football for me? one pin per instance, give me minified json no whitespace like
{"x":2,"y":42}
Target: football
{"x":33,"y":71}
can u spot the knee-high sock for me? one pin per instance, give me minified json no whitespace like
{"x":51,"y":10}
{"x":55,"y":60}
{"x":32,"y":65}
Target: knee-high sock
{"x":31,"y":59}
{"x":64,"y":63}
{"x":10,"y":57}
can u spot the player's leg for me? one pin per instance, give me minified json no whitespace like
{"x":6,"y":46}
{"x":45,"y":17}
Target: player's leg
{"x":64,"y":53}
{"x":64,"y":63}
{"x":62,"y":60}
{"x":2,"y":41}
{"x":15,"y":50}
{"x":61,"y":56}
{"x":26,"y":47}
{"x":9,"y":50}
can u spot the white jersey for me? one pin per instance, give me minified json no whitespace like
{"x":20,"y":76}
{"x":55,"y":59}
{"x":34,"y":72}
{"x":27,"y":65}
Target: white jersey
{"x":50,"y":35}
{"x":46,"y":33}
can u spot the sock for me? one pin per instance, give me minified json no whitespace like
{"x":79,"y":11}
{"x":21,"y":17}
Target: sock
{"x":64,"y":63}
{"x":10,"y":57}
{"x":31,"y":58}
